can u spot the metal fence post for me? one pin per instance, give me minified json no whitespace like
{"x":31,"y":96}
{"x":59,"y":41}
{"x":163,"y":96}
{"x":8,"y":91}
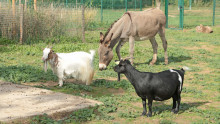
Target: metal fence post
{"x":140,"y":5}
{"x":126,"y":5}
{"x":166,"y":12}
{"x":101,"y":10}
{"x":213,"y":18}
{"x":112,"y":4}
{"x":66,"y":3}
{"x":135,"y":4}
{"x":181,"y":13}
{"x":190,"y":4}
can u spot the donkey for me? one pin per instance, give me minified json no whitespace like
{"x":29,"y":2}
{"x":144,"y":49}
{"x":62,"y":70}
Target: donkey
{"x":133,"y":26}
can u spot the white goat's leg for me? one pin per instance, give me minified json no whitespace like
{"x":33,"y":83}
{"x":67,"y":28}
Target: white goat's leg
{"x":163,"y":38}
{"x":60,"y":82}
{"x":89,"y":81}
{"x":154,"y":45}
{"x":120,"y":44}
{"x":60,"y":76}
{"x":131,"y":48}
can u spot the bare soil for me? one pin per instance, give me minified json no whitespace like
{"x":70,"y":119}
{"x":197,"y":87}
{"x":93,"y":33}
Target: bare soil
{"x":20,"y":101}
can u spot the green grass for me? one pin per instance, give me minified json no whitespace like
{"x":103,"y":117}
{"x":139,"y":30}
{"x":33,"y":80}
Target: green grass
{"x":200,"y":96}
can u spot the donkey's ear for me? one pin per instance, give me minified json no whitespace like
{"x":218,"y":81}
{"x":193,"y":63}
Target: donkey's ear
{"x":107,"y":43}
{"x":101,"y":37}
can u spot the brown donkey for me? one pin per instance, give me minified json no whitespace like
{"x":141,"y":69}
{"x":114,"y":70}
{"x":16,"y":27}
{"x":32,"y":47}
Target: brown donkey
{"x":133,"y":26}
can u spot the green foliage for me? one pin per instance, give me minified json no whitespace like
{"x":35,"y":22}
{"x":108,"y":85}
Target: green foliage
{"x":210,"y":115}
{"x":25,"y":73}
{"x":44,"y":119}
{"x":164,"y":121}
{"x":112,"y":84}
{"x":77,"y":87}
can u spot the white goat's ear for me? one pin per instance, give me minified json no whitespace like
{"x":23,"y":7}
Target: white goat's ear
{"x":117,"y":62}
{"x":51,"y":47}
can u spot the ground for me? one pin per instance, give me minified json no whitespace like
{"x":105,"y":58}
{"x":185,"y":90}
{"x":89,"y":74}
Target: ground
{"x":20,"y":101}
{"x":21,"y":64}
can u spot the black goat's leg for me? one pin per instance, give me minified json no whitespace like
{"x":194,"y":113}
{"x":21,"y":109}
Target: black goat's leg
{"x":174,"y":104}
{"x":178,"y":105}
{"x":144,"y":107}
{"x":150,"y":101}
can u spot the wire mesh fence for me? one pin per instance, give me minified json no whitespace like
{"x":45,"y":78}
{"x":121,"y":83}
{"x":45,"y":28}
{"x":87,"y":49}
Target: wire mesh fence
{"x":32,"y":21}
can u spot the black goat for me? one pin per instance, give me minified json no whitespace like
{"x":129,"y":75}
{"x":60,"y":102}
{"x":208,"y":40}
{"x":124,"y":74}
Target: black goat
{"x":154,"y":86}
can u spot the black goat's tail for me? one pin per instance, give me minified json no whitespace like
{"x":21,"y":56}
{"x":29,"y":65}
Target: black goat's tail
{"x":185,"y":68}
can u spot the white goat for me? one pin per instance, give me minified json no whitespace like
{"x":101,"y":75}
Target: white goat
{"x":78,"y":65}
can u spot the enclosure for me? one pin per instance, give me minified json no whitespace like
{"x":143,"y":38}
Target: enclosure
{"x":35,"y":24}
{"x":27,"y":21}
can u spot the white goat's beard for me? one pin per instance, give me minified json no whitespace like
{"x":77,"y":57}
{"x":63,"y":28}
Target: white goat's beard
{"x":45,"y":66}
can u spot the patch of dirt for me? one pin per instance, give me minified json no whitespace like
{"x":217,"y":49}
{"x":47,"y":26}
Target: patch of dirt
{"x":171,"y":16}
{"x":47,"y":84}
{"x":183,"y":119}
{"x":198,"y":11}
{"x":115,"y":79}
{"x":208,"y":47}
{"x":20,"y":101}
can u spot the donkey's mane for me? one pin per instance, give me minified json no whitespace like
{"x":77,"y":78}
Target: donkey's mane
{"x":110,"y":28}
{"x":114,"y":23}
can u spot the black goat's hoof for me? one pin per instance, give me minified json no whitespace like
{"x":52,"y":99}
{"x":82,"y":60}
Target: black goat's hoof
{"x":174,"y":111}
{"x":149,"y":115}
{"x":143,"y":114}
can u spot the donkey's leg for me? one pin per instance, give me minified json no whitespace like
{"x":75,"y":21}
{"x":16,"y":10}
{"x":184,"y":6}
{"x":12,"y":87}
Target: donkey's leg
{"x":131,"y":48}
{"x":163,"y":38}
{"x":120,"y":44}
{"x":154,"y":45}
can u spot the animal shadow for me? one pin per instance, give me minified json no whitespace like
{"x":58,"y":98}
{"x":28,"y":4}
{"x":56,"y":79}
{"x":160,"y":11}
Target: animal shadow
{"x":160,"y":106}
{"x":171,"y":59}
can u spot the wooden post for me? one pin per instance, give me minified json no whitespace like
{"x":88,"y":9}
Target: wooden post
{"x":21,"y":22}
{"x":83,"y":23}
{"x":76,"y":4}
{"x":35,"y":5}
{"x":13,"y":19}
{"x":1,"y":21}
{"x":25,"y":5}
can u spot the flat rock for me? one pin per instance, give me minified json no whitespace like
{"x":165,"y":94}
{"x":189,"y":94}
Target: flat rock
{"x":20,"y":101}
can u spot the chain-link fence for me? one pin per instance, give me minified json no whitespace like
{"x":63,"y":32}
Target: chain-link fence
{"x":30,"y":21}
